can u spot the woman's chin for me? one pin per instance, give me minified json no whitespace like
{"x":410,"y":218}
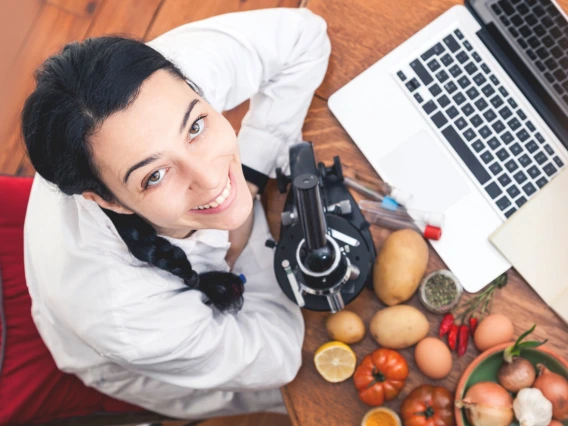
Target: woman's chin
{"x":237,"y":216}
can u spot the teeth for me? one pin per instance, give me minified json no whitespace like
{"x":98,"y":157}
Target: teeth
{"x":219,"y":200}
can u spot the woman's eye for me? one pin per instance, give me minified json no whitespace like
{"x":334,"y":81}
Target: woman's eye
{"x":196,"y":128}
{"x":156,"y":177}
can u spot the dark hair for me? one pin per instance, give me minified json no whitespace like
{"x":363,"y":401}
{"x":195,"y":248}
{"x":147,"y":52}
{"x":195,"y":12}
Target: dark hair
{"x":76,"y":91}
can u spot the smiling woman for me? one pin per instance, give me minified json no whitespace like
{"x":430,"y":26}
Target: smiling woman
{"x":140,"y":208}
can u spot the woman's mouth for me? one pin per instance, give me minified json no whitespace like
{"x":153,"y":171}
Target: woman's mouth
{"x":222,"y":201}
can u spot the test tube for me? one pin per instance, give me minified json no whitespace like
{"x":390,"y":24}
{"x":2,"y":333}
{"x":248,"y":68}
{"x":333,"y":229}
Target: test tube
{"x":387,"y":220}
{"x":389,"y":193}
{"x":431,"y":218}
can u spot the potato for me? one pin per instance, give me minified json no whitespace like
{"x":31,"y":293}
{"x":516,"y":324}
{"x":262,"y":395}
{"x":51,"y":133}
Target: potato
{"x":400,"y":266}
{"x":345,"y":326}
{"x":399,"y":327}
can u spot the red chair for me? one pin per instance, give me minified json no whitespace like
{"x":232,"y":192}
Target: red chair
{"x":32,"y":389}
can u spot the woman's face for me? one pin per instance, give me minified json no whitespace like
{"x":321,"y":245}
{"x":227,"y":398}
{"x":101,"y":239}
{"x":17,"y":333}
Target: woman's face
{"x":172,"y":159}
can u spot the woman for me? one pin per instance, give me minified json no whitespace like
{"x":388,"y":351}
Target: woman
{"x":140,"y":219}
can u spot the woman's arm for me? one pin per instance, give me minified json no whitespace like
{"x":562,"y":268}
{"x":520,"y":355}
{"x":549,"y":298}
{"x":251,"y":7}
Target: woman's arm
{"x":275,"y":57}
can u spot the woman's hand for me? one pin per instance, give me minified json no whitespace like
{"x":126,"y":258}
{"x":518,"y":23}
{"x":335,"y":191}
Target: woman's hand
{"x":240,"y":236}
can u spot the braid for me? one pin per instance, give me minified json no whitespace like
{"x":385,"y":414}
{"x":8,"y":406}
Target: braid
{"x":223,"y":289}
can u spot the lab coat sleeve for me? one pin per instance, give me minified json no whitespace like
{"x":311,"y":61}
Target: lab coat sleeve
{"x":175,"y":338}
{"x":275,"y":57}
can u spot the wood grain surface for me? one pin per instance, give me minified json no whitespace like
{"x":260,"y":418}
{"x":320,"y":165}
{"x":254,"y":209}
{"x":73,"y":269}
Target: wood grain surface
{"x":360,"y":35}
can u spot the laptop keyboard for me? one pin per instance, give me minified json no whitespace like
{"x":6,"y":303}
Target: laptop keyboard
{"x":541,"y":31}
{"x":506,"y":153}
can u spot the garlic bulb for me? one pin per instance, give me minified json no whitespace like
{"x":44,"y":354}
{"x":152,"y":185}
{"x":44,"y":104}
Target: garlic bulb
{"x":532,"y":408}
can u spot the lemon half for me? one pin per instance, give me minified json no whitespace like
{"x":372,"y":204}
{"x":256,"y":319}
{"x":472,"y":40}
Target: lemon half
{"x":335,"y":361}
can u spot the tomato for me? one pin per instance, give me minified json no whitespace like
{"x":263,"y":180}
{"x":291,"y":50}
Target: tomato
{"x":381,"y":376}
{"x":428,"y":406}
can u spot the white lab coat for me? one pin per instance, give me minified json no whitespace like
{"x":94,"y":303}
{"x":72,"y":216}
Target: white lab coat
{"x":138,"y":333}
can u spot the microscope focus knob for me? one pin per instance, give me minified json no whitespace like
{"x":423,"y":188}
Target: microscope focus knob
{"x":335,"y":170}
{"x":343,"y":207}
{"x":288,"y":218}
{"x":270,"y":244}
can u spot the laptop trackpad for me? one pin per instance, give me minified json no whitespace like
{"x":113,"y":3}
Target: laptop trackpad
{"x":419,"y":167}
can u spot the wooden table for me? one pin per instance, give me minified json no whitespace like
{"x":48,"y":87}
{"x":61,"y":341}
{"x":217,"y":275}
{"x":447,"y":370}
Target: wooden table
{"x":361,"y":32}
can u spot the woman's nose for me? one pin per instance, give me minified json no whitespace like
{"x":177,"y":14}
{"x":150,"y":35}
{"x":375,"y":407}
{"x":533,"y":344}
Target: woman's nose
{"x":207,"y":176}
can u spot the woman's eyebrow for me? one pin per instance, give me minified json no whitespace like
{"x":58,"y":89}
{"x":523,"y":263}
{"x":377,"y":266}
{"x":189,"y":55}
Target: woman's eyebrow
{"x":187,"y":114}
{"x":142,"y":163}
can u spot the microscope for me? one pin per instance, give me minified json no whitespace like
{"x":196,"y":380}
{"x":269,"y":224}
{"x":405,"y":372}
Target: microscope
{"x":325,"y":254}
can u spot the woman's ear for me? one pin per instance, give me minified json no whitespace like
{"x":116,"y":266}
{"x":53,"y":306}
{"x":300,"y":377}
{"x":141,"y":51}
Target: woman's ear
{"x":109,"y":205}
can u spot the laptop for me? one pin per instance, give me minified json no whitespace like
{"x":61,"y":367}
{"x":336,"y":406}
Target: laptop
{"x":470,"y":115}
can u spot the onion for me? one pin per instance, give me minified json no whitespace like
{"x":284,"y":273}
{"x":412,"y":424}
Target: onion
{"x":516,"y":375}
{"x":487,"y":404}
{"x":554,"y":387}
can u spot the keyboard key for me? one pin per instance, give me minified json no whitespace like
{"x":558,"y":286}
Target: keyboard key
{"x":452,"y":112}
{"x":559,"y":74}
{"x":506,"y":6}
{"x":452,"y":44}
{"x":540,"y":157}
{"x":531,"y":147}
{"x":558,"y":161}
{"x":434,"y":65}
{"x":476,"y":57}
{"x":493,"y":143}
{"x":455,"y":71}
{"x":504,"y":180}
{"x":450,"y":87}
{"x":512,"y":103}
{"x":469,"y":135}
{"x":520,"y":201}
{"x":538,"y":11}
{"x":429,"y":107}
{"x":471,"y":68}
{"x":549,"y":169}
{"x":521,"y":114}
{"x":481,"y":104}
{"x":460,"y":123}
{"x":517,"y":20}
{"x":510,"y":212}
{"x":522,"y":43}
{"x":466,"y":155}
{"x":541,"y":182}
{"x":547,"y":41}
{"x":503,"y":154}
{"x":496,"y":101}
{"x":494,"y":80}
{"x":503,"y":91}
{"x":439,"y":119}
{"x":549,"y":77}
{"x":520,"y":177}
{"x":488,"y":90}
{"x":467,"y":45}
{"x":556,"y":52}
{"x":472,"y":93}
{"x":530,"y":126}
{"x":462,"y":57}
{"x":522,"y":9}
{"x":513,"y":31}
{"x":435,"y":90}
{"x":489,"y":115}
{"x":525,"y":31}
{"x":503,"y":202}
{"x":516,"y":149}
{"x":478,"y":146}
{"x":530,"y":19}
{"x":495,"y":168}
{"x":479,"y":79}
{"x":458,"y":34}
{"x":539,"y":137}
{"x":401,"y":75}
{"x":533,"y":42}
{"x":442,"y":76}
{"x":464,"y":82}
{"x":549,"y":149}
{"x":514,"y":124}
{"x":443,"y":101}
{"x":533,"y":171}
{"x":507,"y":137}
{"x":498,"y":126}
{"x":485,"y":69}
{"x":505,"y":112}
{"x":539,"y":30}
{"x":529,"y":189}
{"x":459,"y":98}
{"x":542,"y":53}
{"x":558,"y":88}
{"x":434,"y":50}
{"x":421,"y":72}
{"x":484,"y":132}
{"x":513,"y":191}
{"x":412,"y":85}
{"x":511,"y":165}
{"x":467,"y":109}
{"x":447,"y":60}
{"x":524,"y":160}
{"x":493,"y":190}
{"x":551,"y":64}
{"x":418,"y":98}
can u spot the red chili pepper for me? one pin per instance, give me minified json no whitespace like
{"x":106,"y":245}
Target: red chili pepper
{"x":453,"y":336}
{"x":446,"y":324}
{"x":463,"y":339}
{"x":473,"y":324}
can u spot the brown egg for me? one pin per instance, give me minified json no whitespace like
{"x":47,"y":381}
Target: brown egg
{"x":493,"y":330}
{"x":433,"y":358}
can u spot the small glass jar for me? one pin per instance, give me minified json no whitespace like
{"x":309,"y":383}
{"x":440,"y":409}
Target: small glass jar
{"x":440,"y":291}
